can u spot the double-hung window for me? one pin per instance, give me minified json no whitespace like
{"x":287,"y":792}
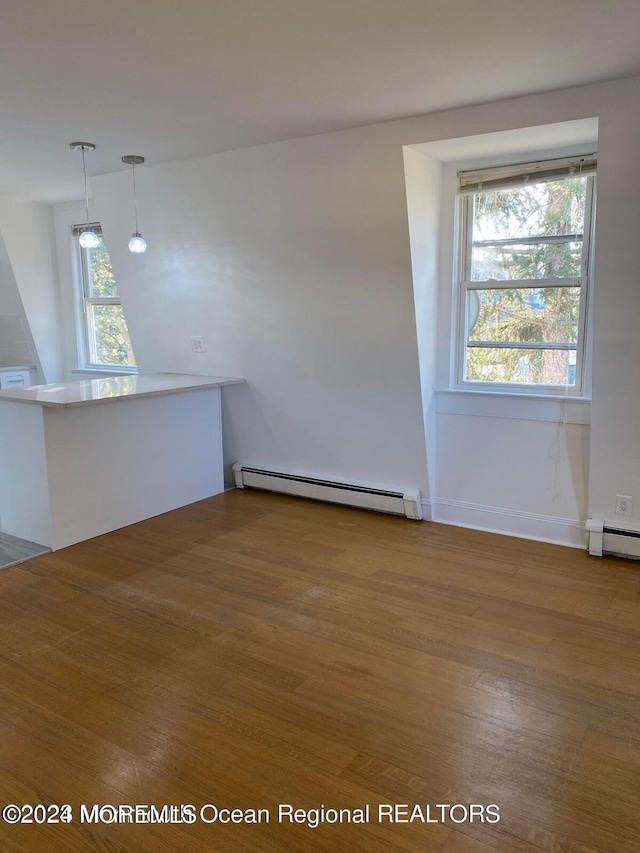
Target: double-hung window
{"x":525,"y":262}
{"x":103,"y":336}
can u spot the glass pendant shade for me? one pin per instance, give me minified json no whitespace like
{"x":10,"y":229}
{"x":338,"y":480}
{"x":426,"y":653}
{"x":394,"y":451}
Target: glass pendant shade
{"x":137,"y":242}
{"x":89,"y":239}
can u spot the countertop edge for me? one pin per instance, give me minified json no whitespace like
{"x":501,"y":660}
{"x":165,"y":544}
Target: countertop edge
{"x":138,"y":396}
{"x":12,"y":396}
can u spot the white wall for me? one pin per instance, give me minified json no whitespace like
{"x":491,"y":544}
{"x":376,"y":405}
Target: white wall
{"x":28,"y":235}
{"x":513,"y":475}
{"x":615,"y":419}
{"x":423,"y":177}
{"x":293,"y":260}
{"x":506,"y":463}
{"x":11,"y":306}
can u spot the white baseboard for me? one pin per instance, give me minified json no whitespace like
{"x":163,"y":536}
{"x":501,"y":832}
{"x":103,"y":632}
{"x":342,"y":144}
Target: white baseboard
{"x":427,"y":510}
{"x":523,"y":525}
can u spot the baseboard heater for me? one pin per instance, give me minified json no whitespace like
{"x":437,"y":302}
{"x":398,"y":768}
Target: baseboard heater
{"x":406,"y":503}
{"x":607,"y":538}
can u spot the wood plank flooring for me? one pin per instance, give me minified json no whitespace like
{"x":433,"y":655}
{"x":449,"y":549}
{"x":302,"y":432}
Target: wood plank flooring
{"x":252,"y":650}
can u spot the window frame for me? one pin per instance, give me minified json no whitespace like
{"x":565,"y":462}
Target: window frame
{"x":580,"y":388}
{"x":83,"y":301}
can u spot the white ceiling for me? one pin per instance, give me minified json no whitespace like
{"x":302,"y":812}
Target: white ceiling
{"x":172,"y":80}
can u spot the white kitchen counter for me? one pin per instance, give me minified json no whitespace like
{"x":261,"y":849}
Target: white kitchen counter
{"x":71,"y":469}
{"x":113,"y":388}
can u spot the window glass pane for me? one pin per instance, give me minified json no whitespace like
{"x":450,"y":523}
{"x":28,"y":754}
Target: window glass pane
{"x":532,"y":367}
{"x":100,"y":281}
{"x":518,"y":261}
{"x":551,"y":209}
{"x":532,"y":210}
{"x":109,"y":341}
{"x":547,"y":314}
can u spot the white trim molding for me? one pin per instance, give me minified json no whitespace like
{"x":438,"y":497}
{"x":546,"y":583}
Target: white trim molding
{"x":427,"y":510}
{"x":513,"y":406}
{"x":508,"y":522}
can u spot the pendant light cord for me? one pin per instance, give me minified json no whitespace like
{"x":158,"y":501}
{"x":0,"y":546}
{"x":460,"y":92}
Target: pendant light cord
{"x":135,"y":197}
{"x":86,"y":191}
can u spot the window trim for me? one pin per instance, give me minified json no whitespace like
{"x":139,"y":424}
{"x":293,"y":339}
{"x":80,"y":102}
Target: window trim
{"x":81,"y":303}
{"x":503,"y":177}
{"x":463,"y":283}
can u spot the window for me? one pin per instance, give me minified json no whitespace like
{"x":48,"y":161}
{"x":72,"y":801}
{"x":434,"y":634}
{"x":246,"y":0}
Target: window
{"x":525,"y":276}
{"x":103,"y":336}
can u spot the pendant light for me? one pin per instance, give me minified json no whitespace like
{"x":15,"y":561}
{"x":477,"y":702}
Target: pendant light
{"x":137,"y":242}
{"x":88,"y":238}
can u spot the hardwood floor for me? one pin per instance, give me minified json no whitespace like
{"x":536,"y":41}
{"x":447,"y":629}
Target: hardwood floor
{"x":252,"y":650}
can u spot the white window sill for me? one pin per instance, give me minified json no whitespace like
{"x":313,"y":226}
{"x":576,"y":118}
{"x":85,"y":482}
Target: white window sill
{"x":513,"y":405}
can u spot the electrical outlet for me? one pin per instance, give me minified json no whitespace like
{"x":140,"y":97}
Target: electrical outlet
{"x":197,"y":343}
{"x":624,"y":505}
